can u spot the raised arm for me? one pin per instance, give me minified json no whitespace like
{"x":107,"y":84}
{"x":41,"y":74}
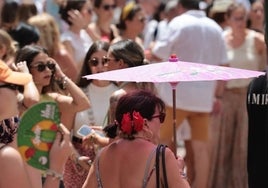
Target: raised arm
{"x":76,"y":100}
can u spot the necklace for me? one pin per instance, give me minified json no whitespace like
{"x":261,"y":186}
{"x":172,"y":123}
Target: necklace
{"x":142,"y":138}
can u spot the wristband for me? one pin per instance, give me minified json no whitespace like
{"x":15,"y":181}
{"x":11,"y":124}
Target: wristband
{"x":54,"y":174}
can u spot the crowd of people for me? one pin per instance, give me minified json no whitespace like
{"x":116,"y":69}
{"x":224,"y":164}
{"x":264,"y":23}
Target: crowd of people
{"x":48,"y":46}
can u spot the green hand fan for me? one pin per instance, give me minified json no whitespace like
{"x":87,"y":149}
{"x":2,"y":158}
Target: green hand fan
{"x":36,"y":133}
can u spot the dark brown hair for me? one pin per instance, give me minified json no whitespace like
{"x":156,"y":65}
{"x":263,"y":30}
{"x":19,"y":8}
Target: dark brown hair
{"x":95,"y":47}
{"x":141,"y":101}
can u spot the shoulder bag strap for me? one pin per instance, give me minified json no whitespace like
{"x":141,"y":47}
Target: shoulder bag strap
{"x":164,"y":165}
{"x":160,"y":152}
{"x":157,"y":166}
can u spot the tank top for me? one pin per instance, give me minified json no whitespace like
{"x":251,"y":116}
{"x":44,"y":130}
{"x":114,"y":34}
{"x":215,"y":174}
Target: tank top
{"x":243,"y":57}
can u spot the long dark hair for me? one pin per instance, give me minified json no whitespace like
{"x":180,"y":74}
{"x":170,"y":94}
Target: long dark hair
{"x":129,"y":51}
{"x":95,"y":47}
{"x":28,"y":53}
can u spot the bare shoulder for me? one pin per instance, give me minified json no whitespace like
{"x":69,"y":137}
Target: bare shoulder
{"x":259,"y":37}
{"x":8,"y":156}
{"x":117,"y":94}
{"x":260,"y":42}
{"x":12,"y":169}
{"x":116,"y":39}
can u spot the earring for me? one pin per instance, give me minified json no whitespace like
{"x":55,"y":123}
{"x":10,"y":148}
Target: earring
{"x":148,"y":134}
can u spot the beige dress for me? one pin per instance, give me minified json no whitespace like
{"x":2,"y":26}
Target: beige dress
{"x":230,"y":129}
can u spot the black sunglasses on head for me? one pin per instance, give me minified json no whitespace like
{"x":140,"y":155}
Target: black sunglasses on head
{"x":10,"y":86}
{"x":42,"y":66}
{"x":108,"y":7}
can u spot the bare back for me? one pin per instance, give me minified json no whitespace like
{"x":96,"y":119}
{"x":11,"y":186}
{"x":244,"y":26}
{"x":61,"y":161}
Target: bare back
{"x":123,"y":163}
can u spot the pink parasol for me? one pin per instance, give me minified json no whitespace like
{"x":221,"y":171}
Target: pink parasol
{"x":173,"y":72}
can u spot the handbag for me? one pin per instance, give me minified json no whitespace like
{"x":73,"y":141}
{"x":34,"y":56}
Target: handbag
{"x":160,"y":153}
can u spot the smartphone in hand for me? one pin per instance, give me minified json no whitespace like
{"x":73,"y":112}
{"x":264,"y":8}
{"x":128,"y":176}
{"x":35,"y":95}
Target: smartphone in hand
{"x":85,"y":130}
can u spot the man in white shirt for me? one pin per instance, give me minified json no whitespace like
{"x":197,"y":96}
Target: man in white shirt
{"x":193,"y":37}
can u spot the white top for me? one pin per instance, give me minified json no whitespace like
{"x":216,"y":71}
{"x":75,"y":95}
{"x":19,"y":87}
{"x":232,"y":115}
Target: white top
{"x":148,"y":33}
{"x":244,"y":57}
{"x":80,"y":43}
{"x":194,"y":38}
{"x":99,"y":100}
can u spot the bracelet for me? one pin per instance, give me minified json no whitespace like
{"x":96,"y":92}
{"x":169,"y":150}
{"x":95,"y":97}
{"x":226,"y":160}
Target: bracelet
{"x":54,"y":174}
{"x":75,"y":158}
{"x":89,"y":162}
{"x":63,"y":81}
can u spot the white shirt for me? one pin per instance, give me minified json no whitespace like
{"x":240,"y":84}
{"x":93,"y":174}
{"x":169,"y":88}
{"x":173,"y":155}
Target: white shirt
{"x":193,"y":37}
{"x":99,"y":100}
{"x":80,"y":43}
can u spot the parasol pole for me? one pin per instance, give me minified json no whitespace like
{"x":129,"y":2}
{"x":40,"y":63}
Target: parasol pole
{"x":173,"y":58}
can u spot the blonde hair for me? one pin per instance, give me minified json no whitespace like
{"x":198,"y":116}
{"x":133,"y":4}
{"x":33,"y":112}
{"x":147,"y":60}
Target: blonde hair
{"x":10,"y":45}
{"x":49,"y":32}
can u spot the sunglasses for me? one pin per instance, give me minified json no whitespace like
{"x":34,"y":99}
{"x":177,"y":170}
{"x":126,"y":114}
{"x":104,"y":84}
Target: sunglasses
{"x":109,"y":7}
{"x":10,"y":86}
{"x":95,"y":61}
{"x":42,"y":66}
{"x":107,"y":59}
{"x":161,"y":117}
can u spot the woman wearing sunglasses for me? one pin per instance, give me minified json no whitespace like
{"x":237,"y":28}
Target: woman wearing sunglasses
{"x":131,"y":23}
{"x":122,"y":54}
{"x":95,"y":117}
{"x":103,"y":27}
{"x":131,"y":158}
{"x":52,"y":84}
{"x":13,"y":172}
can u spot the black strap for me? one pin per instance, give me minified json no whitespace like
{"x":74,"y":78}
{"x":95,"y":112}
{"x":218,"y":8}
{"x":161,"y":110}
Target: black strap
{"x":160,"y":151}
{"x":157,"y":166}
{"x":164,"y":166}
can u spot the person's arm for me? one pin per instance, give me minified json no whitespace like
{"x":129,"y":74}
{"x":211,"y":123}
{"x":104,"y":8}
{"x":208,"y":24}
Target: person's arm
{"x":77,"y":101}
{"x":95,"y":138}
{"x":59,"y":153}
{"x":261,"y":49}
{"x":12,"y":169}
{"x":30,"y":93}
{"x":67,"y":63}
{"x":174,"y":171}
{"x":78,"y":21}
{"x":218,"y":95}
{"x":91,"y":177}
